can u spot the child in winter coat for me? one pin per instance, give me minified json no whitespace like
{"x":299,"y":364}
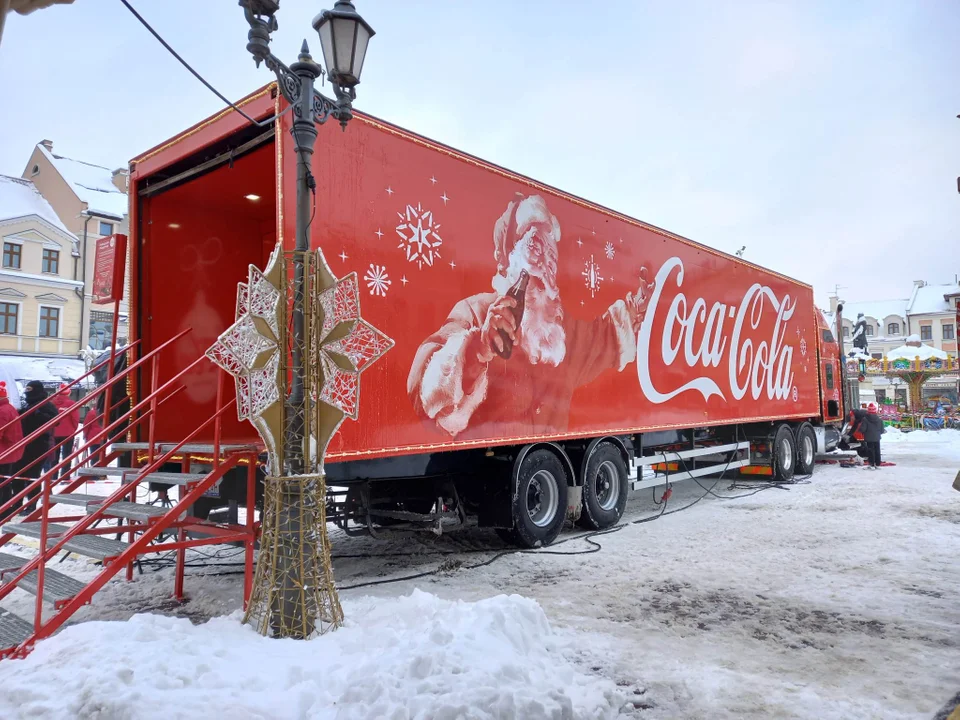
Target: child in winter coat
{"x":10,"y":434}
{"x":66,"y":428}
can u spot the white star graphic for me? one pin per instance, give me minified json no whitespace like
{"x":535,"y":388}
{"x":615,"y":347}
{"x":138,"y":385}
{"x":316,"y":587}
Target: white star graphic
{"x":404,"y":280}
{"x":579,"y":242}
{"x":378,"y":233}
{"x":593,"y":231}
{"x":621,"y":239}
{"x":343,"y":256}
{"x":452,"y":264}
{"x":433,"y":180}
{"x":581,"y":302}
{"x":389,"y":191}
{"x":444,"y":198}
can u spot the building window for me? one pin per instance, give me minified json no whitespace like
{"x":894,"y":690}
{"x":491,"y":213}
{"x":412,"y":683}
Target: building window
{"x":877,"y":356}
{"x":926,"y":332}
{"x":35,"y":170}
{"x":893,"y":329}
{"x":869,"y":330}
{"x":106,"y":228}
{"x":11,"y":255}
{"x":948,"y":331}
{"x":881,"y":396}
{"x":51,"y":262}
{"x":8,"y":318}
{"x":49,"y":322}
{"x":900,"y":395}
{"x":846,"y":332}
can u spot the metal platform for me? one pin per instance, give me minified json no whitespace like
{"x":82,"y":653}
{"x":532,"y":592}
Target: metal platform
{"x":13,"y":630}
{"x":106,"y":471}
{"x":204,"y":448}
{"x":11,"y":562}
{"x":166,"y":478}
{"x":92,"y":546}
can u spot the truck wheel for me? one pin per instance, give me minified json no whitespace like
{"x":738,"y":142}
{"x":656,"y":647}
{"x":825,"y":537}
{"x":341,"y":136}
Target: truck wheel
{"x":806,"y":449}
{"x":784,"y":454}
{"x":604,"y":488}
{"x":539,"y":505}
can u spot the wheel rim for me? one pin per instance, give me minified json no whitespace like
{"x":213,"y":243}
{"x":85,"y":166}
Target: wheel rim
{"x":807,"y":451}
{"x":786,"y":454}
{"x":607,"y":485}
{"x":543,"y":496}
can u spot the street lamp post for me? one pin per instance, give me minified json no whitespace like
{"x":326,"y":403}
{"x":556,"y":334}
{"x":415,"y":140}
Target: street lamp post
{"x":344,"y":37}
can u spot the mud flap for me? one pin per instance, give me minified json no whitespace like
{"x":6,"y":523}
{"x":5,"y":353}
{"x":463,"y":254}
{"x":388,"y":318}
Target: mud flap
{"x":575,"y":502}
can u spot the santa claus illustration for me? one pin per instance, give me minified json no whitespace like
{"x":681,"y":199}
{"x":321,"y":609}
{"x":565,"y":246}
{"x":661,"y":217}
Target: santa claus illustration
{"x":483,"y":374}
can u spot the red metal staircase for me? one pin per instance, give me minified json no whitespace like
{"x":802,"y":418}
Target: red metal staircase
{"x":148,"y":528}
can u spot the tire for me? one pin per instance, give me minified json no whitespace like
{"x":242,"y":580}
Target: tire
{"x":539,"y":505}
{"x":605,"y":488}
{"x":806,"y":449}
{"x":784,"y":454}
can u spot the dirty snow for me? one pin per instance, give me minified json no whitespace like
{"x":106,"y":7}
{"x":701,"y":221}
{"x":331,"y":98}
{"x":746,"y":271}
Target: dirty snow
{"x":830,"y":599}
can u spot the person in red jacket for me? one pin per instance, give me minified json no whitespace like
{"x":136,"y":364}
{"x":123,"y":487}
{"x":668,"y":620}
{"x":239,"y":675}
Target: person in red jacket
{"x":11,"y":432}
{"x":64,"y":431}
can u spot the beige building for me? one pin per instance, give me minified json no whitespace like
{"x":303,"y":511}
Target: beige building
{"x":91,"y":202}
{"x":40,"y":301}
{"x":930,"y":312}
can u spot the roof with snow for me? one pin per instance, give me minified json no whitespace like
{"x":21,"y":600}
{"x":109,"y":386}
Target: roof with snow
{"x":910,"y":352}
{"x":931,"y":299}
{"x":19,"y":198}
{"x":876,"y":309}
{"x":93,"y":184}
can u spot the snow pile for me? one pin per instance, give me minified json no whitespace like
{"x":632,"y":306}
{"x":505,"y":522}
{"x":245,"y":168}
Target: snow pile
{"x":413,"y":656}
{"x":948,"y":437}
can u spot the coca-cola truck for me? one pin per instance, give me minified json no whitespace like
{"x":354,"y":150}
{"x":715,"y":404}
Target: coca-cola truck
{"x":549,"y":354}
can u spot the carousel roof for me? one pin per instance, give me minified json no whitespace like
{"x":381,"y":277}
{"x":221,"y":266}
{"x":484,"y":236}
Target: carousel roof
{"x":912,"y":352}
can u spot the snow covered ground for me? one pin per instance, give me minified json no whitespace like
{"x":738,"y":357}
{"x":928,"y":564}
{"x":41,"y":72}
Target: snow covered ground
{"x":827,"y":599}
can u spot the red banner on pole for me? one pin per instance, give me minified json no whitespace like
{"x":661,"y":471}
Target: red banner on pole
{"x":108,"y":268}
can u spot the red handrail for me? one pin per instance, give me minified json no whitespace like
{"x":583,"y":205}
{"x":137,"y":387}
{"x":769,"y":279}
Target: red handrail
{"x":23,"y":493}
{"x":77,"y":529}
{"x":56,"y":421}
{"x":85,"y":399}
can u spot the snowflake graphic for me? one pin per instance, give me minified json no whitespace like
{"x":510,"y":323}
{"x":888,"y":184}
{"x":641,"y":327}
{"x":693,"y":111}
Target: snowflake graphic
{"x":377,"y":280}
{"x":610,"y":252}
{"x":803,"y":347}
{"x":591,"y":276}
{"x":796,"y":394}
{"x":419,"y":235}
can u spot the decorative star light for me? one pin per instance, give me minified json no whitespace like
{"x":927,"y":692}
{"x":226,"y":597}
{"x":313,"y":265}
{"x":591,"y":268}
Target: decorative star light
{"x":250,"y":349}
{"x":419,"y":235}
{"x":345,"y":346}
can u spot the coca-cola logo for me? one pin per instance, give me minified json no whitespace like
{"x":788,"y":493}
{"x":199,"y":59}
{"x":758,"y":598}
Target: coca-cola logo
{"x":701,"y":336}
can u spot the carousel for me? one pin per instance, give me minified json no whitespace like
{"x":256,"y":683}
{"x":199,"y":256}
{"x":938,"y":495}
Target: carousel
{"x":912,"y":364}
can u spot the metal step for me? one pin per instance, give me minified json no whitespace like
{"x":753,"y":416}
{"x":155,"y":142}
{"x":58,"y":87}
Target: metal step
{"x":92,"y":546}
{"x":106,"y":471}
{"x":206,"y":448}
{"x":56,"y":585}
{"x":174,"y":478}
{"x":131,"y":511}
{"x":75,"y":499}
{"x":166,"y":478}
{"x":11,"y":562}
{"x":128,"y":446}
{"x":13,"y":630}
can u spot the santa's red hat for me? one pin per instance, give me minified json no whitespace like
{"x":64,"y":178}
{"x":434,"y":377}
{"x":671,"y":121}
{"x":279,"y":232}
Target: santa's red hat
{"x":64,"y":389}
{"x":3,"y":389}
{"x":522,"y":214}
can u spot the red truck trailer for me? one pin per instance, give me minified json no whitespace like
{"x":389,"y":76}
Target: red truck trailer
{"x":550,"y":354}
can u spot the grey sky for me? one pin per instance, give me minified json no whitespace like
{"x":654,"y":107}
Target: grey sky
{"x":821,"y":135}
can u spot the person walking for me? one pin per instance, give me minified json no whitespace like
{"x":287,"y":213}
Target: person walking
{"x":64,"y":431}
{"x":31,"y":464}
{"x":870,"y":424}
{"x":10,"y":434}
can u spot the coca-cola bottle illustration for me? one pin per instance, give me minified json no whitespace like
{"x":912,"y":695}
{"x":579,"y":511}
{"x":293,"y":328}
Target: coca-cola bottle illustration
{"x":519,"y":293}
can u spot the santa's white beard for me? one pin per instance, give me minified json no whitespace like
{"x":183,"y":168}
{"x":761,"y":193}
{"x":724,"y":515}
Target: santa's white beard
{"x":542,"y":337}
